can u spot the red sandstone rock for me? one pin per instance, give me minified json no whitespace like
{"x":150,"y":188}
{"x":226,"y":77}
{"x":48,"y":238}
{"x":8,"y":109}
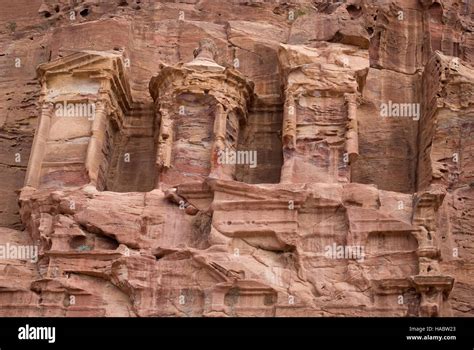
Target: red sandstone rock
{"x":210,"y":158}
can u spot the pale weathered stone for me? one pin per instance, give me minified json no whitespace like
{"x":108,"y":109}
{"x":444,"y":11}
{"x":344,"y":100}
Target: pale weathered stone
{"x":240,"y":158}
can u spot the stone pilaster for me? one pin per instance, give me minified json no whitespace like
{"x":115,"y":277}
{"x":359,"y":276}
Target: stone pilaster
{"x":94,"y":150}
{"x":38,"y":149}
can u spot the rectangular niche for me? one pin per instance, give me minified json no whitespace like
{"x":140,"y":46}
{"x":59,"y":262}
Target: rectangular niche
{"x":263,"y":135}
{"x":129,"y":155}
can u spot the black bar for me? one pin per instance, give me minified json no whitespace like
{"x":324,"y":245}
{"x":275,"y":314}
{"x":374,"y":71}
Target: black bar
{"x":369,"y":331}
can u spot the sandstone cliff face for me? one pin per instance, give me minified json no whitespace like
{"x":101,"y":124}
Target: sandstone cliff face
{"x":237,"y":158}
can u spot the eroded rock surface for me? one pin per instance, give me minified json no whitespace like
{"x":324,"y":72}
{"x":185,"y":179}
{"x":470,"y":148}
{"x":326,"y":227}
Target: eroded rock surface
{"x":237,"y":158}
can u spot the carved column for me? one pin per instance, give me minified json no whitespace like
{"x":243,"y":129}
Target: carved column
{"x":38,"y":148}
{"x":94,"y":149}
{"x":288,"y":139}
{"x":165,"y":143}
{"x":352,"y":137}
{"x":219,"y":141}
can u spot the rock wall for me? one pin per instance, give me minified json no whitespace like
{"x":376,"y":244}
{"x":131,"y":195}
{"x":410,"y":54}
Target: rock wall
{"x":359,"y":200}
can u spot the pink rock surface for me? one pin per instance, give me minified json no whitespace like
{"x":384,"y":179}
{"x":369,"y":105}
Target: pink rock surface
{"x":239,"y":158}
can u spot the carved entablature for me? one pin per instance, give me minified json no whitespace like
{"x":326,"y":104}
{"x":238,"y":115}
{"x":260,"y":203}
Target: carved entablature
{"x":228,"y":87}
{"x":84,"y":100}
{"x":99,"y":75}
{"x":203,"y":99}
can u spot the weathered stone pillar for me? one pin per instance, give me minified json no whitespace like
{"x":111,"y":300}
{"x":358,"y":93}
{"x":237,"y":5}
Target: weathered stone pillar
{"x":38,"y":148}
{"x":165,"y":141}
{"x":288,"y":139}
{"x":218,"y":146}
{"x":94,"y":155}
{"x":352,"y":134}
